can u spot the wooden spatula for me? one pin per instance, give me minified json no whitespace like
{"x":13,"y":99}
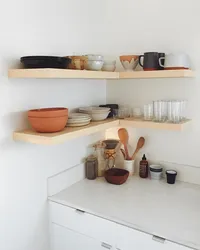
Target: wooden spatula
{"x":140,"y":144}
{"x":123,"y":136}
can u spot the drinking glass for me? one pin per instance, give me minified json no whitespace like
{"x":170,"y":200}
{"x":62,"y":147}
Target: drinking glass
{"x":176,"y":111}
{"x":183,"y":109}
{"x":123,"y":112}
{"x":148,"y":112}
{"x":115,"y":113}
{"x":136,"y":112}
{"x":169,"y":111}
{"x":160,"y":111}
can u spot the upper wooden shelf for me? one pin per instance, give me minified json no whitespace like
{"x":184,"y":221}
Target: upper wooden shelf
{"x":71,"y":133}
{"x":61,"y":73}
{"x":156,"y":74}
{"x":84,"y":74}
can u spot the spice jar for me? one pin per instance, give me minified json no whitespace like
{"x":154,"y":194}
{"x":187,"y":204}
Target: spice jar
{"x":91,"y":167}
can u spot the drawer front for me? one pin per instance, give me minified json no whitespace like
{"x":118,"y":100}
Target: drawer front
{"x":128,"y":238}
{"x":84,"y":223}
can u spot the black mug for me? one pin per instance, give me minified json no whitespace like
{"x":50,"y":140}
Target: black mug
{"x":162,"y":60}
{"x":151,"y":60}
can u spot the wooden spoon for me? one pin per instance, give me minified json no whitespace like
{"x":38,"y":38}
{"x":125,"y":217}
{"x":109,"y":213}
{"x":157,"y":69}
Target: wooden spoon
{"x":140,"y":144}
{"x":123,"y":136}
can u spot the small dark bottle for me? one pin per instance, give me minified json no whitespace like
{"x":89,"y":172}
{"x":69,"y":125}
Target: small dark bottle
{"x":144,"y":167}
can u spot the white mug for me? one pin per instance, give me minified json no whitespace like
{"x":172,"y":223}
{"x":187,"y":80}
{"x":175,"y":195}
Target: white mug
{"x":175,"y":61}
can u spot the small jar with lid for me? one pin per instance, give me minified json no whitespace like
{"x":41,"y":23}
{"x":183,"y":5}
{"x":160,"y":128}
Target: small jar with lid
{"x":91,"y":167}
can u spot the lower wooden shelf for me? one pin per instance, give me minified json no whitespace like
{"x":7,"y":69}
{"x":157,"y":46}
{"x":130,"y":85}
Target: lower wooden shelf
{"x":31,"y":136}
{"x":138,"y":123}
{"x":67,"y":134}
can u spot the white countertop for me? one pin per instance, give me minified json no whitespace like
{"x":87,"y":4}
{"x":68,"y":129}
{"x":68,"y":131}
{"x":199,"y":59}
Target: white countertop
{"x":154,"y":207}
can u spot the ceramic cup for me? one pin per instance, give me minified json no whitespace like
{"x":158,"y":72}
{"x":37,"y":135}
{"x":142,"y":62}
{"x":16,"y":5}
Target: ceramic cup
{"x":175,"y":61}
{"x":129,"y":165}
{"x":129,"y":62}
{"x":150,"y":61}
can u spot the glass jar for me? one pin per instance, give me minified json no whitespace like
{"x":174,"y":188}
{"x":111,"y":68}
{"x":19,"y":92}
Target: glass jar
{"x":91,"y":167}
{"x":99,"y":150}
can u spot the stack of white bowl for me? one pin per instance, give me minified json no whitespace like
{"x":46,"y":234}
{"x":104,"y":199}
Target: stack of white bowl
{"x":78,"y":120}
{"x":96,"y":113}
{"x":94,"y":62}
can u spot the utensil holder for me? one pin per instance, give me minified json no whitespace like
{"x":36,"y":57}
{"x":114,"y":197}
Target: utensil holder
{"x":129,"y":165}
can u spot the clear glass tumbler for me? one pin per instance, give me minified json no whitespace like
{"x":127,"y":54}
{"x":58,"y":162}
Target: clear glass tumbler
{"x":183,"y":110}
{"x":148,"y":112}
{"x":169,"y":111}
{"x":123,"y":112}
{"x":160,"y":111}
{"x":176,"y":111}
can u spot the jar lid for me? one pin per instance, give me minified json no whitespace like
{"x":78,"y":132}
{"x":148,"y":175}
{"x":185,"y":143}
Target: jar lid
{"x":91,"y":158}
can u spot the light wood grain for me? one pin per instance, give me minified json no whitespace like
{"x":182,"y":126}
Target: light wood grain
{"x":84,"y":74}
{"x":136,"y":123}
{"x":71,"y":133}
{"x":156,"y":74}
{"x":61,"y":73}
{"x":67,"y":134}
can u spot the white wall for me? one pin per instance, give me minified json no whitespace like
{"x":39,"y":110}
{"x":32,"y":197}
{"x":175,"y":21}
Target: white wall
{"x":61,"y":28}
{"x":164,"y":26}
{"x":40,"y":27}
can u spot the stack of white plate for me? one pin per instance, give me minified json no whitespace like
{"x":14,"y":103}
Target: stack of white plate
{"x":97,"y":113}
{"x":78,"y":120}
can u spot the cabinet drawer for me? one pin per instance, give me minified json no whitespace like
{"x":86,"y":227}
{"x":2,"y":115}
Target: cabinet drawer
{"x":128,"y":238}
{"x":93,"y":226}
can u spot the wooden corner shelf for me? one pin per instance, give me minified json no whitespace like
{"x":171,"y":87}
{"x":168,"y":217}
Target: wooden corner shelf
{"x":85,"y":74}
{"x":137,"y":123}
{"x":156,"y":74}
{"x":71,"y":133}
{"x":67,"y":134}
{"x":61,"y":73}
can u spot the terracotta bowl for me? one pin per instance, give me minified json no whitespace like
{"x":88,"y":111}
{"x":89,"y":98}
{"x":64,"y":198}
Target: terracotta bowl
{"x":129,"y":62}
{"x":116,"y":176}
{"x":48,"y":112}
{"x":48,"y":125}
{"x":48,"y":120}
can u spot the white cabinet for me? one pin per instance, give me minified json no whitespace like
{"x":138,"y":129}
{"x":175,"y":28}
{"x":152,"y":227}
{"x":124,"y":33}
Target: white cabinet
{"x":84,"y":223}
{"x":129,"y":239}
{"x":73,"y":229}
{"x":65,"y":239}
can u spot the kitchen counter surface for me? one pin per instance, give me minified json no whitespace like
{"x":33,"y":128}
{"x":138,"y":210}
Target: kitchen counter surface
{"x":154,"y":207}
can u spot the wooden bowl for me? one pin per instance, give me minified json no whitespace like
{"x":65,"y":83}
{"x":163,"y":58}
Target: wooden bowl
{"x":116,"y":176}
{"x":48,"y":120}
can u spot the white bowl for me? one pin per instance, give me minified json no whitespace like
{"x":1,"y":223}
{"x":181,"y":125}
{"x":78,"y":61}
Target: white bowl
{"x":109,"y":67}
{"x":99,"y":116}
{"x":109,"y":62}
{"x":94,"y":57}
{"x":95,"y":65}
{"x":94,"y":110}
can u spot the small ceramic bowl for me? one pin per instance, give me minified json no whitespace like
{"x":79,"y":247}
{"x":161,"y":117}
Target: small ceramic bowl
{"x":99,"y":116}
{"x":95,"y":65}
{"x":129,"y":62}
{"x":92,"y":57}
{"x":109,"y":66}
{"x":116,"y":176}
